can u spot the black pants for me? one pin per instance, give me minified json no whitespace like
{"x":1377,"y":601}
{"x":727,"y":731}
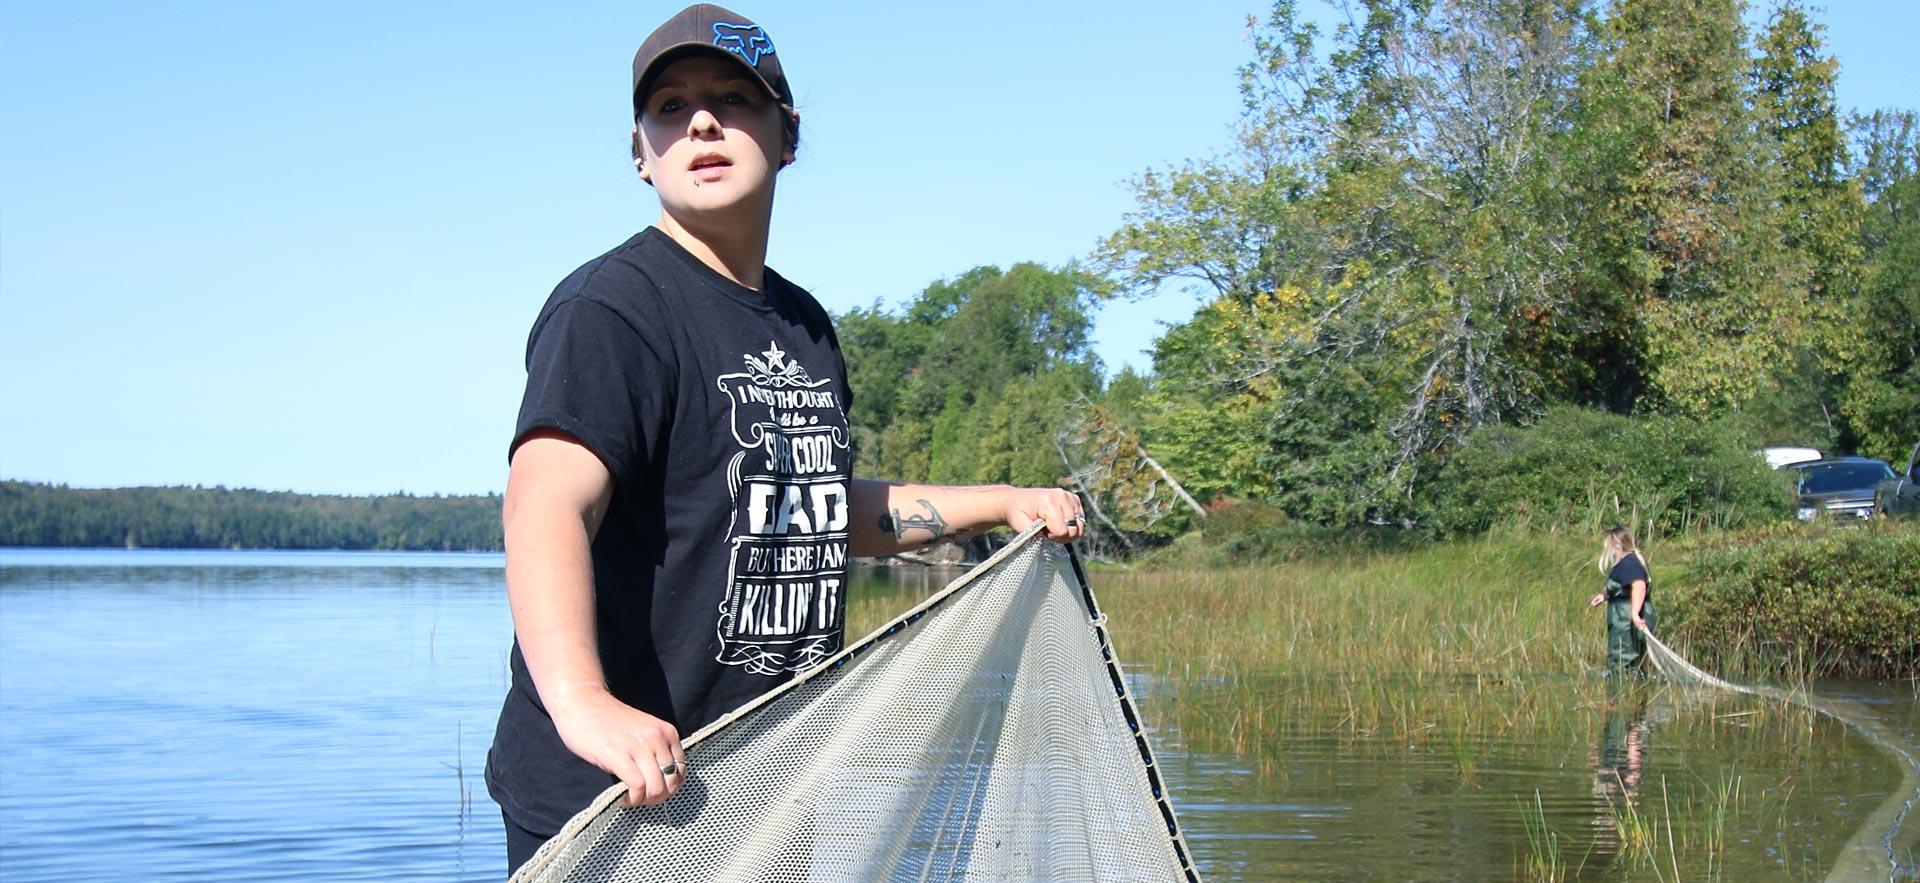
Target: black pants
{"x":521,"y":844}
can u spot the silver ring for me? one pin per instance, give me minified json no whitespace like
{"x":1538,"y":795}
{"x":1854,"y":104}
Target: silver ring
{"x":1073,"y":521}
{"x":669,"y":768}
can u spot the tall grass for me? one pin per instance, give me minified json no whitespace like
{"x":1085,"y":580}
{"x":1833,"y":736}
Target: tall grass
{"x":1472,"y":639}
{"x":1491,"y":607}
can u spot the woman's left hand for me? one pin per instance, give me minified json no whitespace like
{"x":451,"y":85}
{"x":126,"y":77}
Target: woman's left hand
{"x":1639,"y":623}
{"x":1066,"y":521}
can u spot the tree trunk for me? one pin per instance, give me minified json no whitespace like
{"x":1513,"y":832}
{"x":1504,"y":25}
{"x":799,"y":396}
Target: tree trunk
{"x":1190,"y":501}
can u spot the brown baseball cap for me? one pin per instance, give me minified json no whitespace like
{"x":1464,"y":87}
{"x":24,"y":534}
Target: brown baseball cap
{"x":704,"y":28}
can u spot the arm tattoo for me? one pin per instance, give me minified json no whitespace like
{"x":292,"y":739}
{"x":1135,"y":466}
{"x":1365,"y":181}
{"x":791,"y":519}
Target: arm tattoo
{"x":898,"y":525}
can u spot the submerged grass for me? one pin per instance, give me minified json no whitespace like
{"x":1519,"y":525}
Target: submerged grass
{"x":1633,"y":829}
{"x":1543,"y":861}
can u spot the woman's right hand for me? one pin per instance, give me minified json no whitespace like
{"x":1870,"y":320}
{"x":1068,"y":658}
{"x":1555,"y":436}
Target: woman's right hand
{"x":624,"y":741}
{"x":1598,"y":599}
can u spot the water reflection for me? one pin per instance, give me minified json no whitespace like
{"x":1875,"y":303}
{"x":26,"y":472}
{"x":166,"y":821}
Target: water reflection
{"x":1619,"y":761}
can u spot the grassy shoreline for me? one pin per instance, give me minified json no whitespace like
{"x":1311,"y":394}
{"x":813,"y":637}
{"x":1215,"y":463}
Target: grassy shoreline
{"x":1784,"y":601}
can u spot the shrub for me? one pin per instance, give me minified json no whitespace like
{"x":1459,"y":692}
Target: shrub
{"x":1235,"y":517}
{"x":1262,"y":535}
{"x":1835,"y":600}
{"x":1585,"y":469}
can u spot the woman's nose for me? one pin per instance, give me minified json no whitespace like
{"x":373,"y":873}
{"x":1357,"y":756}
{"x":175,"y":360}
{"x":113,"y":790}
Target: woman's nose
{"x":703,"y":122}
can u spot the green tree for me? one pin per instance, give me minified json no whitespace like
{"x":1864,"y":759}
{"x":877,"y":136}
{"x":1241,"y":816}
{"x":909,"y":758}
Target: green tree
{"x":1681,"y":210}
{"x":969,"y":381}
{"x":1881,"y":399}
{"x":1385,"y":249}
{"x":1793,"y":98}
{"x":1793,"y":94}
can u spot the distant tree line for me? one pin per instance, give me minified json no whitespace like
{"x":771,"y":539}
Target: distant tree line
{"x":34,"y":514}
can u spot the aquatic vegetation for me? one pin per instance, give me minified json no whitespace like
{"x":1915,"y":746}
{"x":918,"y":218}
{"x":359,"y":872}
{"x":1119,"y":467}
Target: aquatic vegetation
{"x":1725,"y":795}
{"x":1543,"y":861}
{"x":1461,"y":642}
{"x":1633,"y":828}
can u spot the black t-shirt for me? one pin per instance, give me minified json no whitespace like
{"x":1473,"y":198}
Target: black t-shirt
{"x":1620,"y":578}
{"x":718,"y":569}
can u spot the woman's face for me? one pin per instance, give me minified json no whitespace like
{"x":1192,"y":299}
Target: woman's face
{"x":711,"y":140}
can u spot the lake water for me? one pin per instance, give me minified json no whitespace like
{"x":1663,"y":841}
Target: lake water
{"x":248,"y":715}
{"x":325,"y":716}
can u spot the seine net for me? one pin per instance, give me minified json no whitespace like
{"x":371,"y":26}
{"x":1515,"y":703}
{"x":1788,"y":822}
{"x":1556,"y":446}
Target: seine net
{"x":984,"y":735}
{"x":1677,"y":670}
{"x":1883,"y":848}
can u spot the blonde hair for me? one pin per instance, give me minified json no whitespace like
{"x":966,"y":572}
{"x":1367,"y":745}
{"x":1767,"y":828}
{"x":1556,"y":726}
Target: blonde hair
{"x":1617,"y":544}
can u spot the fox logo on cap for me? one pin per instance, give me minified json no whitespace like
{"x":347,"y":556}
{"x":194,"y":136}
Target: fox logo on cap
{"x":747,"y":41}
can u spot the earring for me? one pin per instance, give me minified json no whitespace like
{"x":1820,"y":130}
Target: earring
{"x":637,"y":161}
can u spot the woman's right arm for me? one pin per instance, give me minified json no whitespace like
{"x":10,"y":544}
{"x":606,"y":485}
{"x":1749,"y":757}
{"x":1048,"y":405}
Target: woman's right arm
{"x":557,"y":494}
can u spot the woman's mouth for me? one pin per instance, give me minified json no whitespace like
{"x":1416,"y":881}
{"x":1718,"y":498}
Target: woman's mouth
{"x":709,"y":166}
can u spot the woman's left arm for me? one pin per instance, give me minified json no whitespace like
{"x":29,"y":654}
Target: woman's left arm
{"x":1639,"y":590}
{"x":888,"y":517}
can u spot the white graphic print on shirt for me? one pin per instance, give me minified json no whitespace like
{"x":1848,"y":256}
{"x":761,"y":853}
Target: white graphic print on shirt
{"x":782,"y":608}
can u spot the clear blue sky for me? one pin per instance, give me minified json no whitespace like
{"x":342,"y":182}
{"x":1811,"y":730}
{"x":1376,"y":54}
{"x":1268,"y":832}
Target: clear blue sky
{"x":299,"y":247}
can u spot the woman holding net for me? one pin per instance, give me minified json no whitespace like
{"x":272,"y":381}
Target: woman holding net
{"x":1629,"y":600}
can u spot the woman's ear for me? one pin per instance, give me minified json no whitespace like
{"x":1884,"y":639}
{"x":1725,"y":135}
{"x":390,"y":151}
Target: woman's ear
{"x":790,"y":151}
{"x":640,"y":164}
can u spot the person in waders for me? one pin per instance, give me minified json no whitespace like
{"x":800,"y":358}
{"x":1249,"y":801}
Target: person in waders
{"x":1629,"y":600}
{"x":680,"y":506}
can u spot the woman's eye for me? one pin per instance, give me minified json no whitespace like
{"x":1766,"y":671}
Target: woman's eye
{"x":735,"y":98}
{"x":672,"y":104}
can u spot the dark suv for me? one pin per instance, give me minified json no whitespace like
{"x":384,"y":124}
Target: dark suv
{"x":1839,"y":487}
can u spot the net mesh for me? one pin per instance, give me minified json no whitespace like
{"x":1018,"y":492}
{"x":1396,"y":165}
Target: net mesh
{"x":1677,"y":670}
{"x":984,"y":735}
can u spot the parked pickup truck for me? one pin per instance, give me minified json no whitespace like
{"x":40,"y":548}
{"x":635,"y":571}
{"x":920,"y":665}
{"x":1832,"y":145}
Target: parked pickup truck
{"x":1900,"y":495}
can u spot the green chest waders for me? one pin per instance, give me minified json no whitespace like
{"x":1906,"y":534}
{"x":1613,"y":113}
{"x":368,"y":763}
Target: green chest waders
{"x":1625,"y":646}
